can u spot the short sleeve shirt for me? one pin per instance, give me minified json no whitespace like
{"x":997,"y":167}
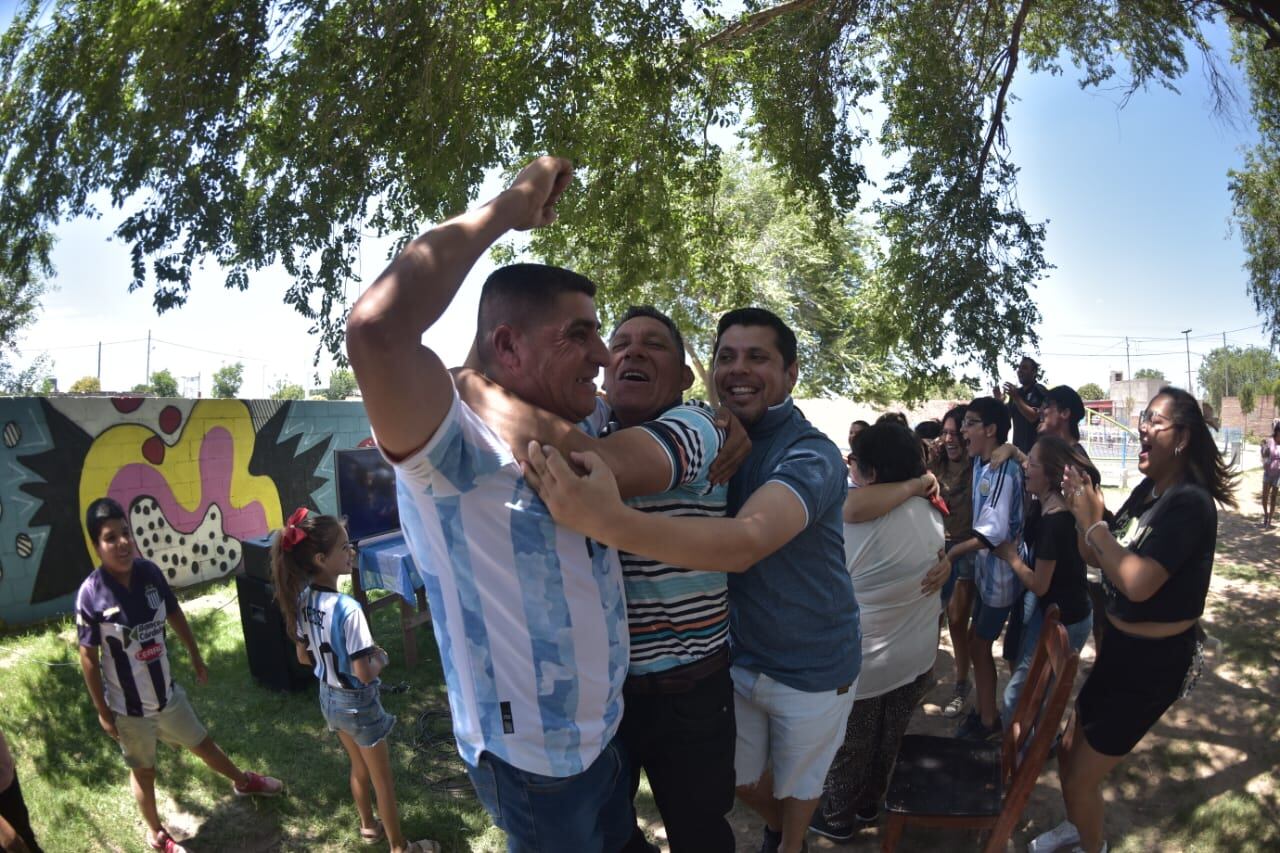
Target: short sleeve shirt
{"x":997,"y":518}
{"x":127,"y":623}
{"x":1179,"y":530}
{"x":1053,"y":537}
{"x":529,"y":616}
{"x":1024,"y":431}
{"x":675,"y":615}
{"x":793,"y":615}
{"x":336,"y":633}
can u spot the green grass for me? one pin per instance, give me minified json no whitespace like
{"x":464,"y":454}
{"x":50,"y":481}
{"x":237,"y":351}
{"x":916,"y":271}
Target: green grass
{"x":76,"y":784}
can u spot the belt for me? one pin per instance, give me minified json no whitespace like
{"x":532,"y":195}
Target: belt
{"x":679,"y":679}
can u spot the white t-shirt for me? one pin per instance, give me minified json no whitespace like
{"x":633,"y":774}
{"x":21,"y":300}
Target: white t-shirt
{"x":887,"y":558}
{"x":529,"y":616}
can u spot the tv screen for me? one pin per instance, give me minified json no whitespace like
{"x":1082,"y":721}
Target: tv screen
{"x":366,"y":493}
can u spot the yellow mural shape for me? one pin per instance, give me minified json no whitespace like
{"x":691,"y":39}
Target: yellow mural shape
{"x":121,"y":445}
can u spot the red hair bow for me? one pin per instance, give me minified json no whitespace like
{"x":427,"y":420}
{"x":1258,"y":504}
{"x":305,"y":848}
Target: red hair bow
{"x":292,"y":533}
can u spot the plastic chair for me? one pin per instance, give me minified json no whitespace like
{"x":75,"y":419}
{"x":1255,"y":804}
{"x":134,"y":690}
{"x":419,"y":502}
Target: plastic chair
{"x":948,"y":782}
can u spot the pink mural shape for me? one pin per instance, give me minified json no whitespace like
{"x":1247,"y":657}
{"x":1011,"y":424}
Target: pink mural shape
{"x":217,"y":453}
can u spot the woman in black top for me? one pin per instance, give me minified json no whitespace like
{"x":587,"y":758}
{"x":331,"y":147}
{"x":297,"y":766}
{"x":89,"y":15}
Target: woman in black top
{"x":1156,"y":557}
{"x":1058,"y":576}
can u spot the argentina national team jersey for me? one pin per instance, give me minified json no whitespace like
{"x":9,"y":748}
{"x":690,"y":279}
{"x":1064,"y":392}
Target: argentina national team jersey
{"x":529,"y":616}
{"x":128,"y":624}
{"x":336,"y":633}
{"x":997,"y":518}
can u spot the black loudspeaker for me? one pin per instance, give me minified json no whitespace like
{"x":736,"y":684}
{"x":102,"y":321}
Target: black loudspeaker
{"x":257,"y":558}
{"x":272,"y":660}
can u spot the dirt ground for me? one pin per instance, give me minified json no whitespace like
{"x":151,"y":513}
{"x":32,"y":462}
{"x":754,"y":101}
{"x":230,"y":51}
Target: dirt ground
{"x":1212,"y":748}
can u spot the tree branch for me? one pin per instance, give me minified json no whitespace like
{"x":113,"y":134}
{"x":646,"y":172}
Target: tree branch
{"x":748,"y":25}
{"x":712,"y":397}
{"x":997,"y":116}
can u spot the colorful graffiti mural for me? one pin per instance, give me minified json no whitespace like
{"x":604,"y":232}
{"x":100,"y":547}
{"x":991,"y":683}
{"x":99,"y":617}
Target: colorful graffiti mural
{"x":197,"y":477}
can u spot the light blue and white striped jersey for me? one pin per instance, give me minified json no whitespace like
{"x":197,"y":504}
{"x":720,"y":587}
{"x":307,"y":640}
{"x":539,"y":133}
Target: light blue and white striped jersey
{"x":997,"y":518}
{"x":336,"y":633}
{"x":529,"y":616}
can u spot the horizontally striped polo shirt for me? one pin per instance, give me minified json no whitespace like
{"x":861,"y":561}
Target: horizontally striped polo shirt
{"x":529,"y":615}
{"x":677,"y":616}
{"x":336,"y":633}
{"x":128,"y":623}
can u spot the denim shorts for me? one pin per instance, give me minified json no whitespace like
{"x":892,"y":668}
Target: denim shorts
{"x":961,"y":570}
{"x":357,"y":712}
{"x":989,"y":621}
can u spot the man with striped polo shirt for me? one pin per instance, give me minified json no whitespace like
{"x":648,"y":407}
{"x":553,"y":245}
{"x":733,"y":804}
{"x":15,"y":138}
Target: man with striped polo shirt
{"x":529,"y":616}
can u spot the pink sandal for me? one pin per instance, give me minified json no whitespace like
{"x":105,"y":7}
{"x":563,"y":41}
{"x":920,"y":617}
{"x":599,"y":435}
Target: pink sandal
{"x":164,"y":842}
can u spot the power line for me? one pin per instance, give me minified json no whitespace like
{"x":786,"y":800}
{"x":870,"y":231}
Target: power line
{"x":213,"y":352}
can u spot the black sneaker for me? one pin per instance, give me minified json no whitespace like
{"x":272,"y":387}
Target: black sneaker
{"x":972,"y":728}
{"x":770,"y":841}
{"x":868,"y":814}
{"x":824,"y":827}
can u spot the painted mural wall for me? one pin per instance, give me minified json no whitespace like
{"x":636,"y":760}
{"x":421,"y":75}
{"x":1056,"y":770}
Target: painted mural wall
{"x":197,"y":477}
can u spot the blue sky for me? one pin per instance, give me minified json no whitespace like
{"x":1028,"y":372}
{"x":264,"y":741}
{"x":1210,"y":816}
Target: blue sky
{"x":1138,"y":232}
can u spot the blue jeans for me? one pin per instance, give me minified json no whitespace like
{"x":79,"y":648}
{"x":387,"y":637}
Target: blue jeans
{"x":1032,"y":621}
{"x":587,"y":813}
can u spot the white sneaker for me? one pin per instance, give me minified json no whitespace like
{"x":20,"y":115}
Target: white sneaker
{"x":1060,"y":836}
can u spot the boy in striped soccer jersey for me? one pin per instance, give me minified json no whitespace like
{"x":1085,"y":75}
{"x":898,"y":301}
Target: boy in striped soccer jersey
{"x":997,"y":517}
{"x":123,"y":607}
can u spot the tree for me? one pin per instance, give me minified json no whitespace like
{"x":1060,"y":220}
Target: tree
{"x":287,"y":391}
{"x":227,"y":380}
{"x":1149,"y":373}
{"x":140,"y":388}
{"x":163,"y":383}
{"x":1228,"y":370}
{"x":342,"y":384}
{"x":1091,"y":391}
{"x":86,"y":385}
{"x":1246,"y":400}
{"x":26,"y":382}
{"x":262,"y":133}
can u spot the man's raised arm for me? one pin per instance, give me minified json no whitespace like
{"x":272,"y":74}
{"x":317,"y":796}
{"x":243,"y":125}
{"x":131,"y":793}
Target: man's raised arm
{"x":405,"y":386}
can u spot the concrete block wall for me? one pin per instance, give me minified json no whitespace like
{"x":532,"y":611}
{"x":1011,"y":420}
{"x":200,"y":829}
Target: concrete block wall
{"x":216,"y":471}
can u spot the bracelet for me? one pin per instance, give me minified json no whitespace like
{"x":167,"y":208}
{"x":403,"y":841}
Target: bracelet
{"x":1088,"y":532}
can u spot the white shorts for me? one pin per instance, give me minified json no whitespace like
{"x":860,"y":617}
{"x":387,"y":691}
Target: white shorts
{"x":793,"y":733}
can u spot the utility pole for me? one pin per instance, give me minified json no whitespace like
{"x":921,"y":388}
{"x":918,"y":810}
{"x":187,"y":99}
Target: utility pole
{"x":1127,"y":365}
{"x":146,"y":380}
{"x":1186,"y":334}
{"x":1226,"y":365}
{"x":99,"y":362}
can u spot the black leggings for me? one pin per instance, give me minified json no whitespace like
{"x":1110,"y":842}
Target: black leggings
{"x":14,"y":810}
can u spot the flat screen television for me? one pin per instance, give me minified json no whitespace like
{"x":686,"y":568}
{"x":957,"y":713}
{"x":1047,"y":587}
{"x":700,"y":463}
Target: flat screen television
{"x":366,"y":493}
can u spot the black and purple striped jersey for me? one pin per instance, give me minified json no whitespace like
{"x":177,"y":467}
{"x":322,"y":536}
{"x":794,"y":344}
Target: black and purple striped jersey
{"x":129,"y":626}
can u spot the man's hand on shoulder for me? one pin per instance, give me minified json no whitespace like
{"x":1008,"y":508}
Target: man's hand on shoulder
{"x":735,"y":449}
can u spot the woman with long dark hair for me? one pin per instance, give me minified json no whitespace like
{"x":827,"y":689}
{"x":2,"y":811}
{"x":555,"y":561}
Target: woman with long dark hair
{"x":1156,"y":556}
{"x":1054,"y":571}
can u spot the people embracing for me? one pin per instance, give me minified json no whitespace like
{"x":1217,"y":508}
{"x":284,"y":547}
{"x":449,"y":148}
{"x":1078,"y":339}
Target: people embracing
{"x":124,"y":606}
{"x":1270,"y":474}
{"x":954,"y":472}
{"x":1156,"y":556}
{"x":793,"y":618}
{"x":888,"y":557}
{"x":331,"y":635}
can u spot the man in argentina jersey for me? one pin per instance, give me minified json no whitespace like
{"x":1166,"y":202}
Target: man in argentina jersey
{"x":529,"y":616}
